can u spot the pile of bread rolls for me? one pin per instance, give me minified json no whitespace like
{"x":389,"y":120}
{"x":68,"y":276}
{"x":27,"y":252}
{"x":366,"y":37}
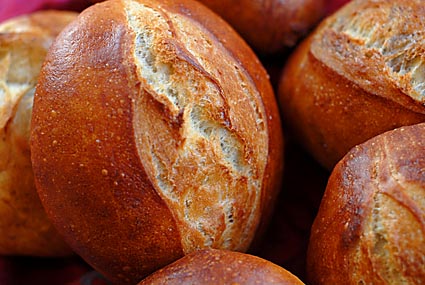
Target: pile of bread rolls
{"x":147,"y":137}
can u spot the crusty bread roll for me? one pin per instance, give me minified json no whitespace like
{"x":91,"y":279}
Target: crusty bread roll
{"x":155,"y":132}
{"x":270,"y":26}
{"x":24,"y":226}
{"x":359,"y":74}
{"x":213,"y":266}
{"x":370,"y":228}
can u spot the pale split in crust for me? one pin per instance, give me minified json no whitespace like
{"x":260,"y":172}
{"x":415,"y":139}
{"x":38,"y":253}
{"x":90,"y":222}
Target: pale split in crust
{"x":379,"y":40}
{"x":213,"y":155}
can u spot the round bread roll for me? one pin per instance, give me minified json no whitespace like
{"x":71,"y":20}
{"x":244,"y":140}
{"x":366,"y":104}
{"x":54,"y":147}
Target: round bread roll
{"x":155,"y":132}
{"x":370,"y":228}
{"x":270,"y":26}
{"x":213,"y":266}
{"x":361,"y":73}
{"x":24,"y":226}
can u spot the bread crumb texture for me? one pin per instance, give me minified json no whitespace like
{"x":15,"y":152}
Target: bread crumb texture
{"x":393,"y":240}
{"x":200,"y":128}
{"x":379,"y":45}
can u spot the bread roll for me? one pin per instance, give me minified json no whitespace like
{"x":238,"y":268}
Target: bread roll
{"x":370,"y":228}
{"x":24,"y":226}
{"x":359,"y":74}
{"x":155,"y":133}
{"x":270,"y":26}
{"x":212,"y":266}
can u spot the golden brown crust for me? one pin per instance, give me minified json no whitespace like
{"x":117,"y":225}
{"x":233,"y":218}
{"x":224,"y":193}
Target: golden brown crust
{"x":370,"y":228}
{"x":355,"y":77}
{"x":269,"y":25}
{"x":155,"y":133}
{"x":24,"y":226}
{"x":211,"y":266}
